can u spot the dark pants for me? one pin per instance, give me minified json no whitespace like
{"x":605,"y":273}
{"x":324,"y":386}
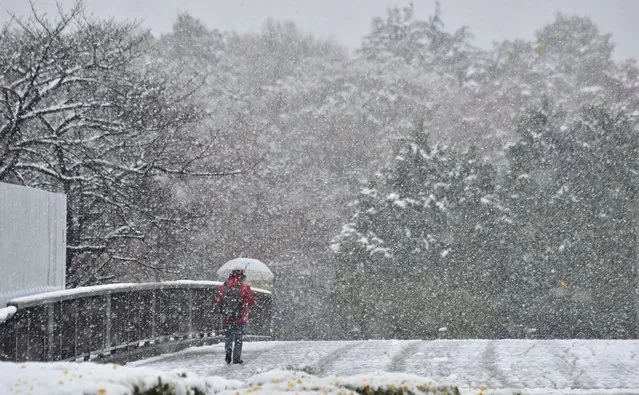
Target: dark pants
{"x":233,"y":337}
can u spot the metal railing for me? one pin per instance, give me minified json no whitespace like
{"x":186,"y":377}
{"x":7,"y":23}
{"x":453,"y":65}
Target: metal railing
{"x":110,"y":321}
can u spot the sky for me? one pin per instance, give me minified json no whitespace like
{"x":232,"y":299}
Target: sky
{"x":347,"y":21}
{"x":550,"y":367}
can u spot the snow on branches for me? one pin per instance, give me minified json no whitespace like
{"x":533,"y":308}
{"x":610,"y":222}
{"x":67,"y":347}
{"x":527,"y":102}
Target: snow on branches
{"x":85,"y":110}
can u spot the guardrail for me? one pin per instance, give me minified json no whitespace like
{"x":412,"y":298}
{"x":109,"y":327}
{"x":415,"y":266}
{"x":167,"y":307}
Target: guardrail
{"x":108,"y":322}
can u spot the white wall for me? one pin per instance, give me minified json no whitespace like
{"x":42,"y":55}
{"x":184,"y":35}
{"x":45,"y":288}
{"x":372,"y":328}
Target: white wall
{"x":32,"y":241}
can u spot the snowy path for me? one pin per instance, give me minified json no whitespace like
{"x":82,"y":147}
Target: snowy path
{"x":545,"y":366}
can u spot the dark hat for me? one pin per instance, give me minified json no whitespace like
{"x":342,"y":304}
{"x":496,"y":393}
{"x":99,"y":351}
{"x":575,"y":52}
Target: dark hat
{"x":237,"y":273}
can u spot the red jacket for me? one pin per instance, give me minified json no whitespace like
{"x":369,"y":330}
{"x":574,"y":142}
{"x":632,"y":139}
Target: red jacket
{"x":247,"y":300}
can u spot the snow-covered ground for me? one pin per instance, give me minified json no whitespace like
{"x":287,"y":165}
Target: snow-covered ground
{"x":475,"y":366}
{"x":538,"y":366}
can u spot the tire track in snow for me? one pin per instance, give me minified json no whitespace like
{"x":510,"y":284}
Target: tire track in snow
{"x":321,"y":367}
{"x":489,"y":361}
{"x":398,"y":363}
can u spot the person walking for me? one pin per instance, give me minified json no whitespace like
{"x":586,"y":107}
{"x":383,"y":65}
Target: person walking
{"x":234,"y":298}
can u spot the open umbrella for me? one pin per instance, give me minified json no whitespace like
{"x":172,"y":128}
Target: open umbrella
{"x":254,"y":269}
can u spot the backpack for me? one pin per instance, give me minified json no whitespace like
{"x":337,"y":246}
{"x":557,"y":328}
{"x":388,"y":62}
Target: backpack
{"x":232,"y":302}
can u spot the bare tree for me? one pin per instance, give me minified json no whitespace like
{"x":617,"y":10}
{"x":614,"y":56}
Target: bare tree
{"x":85,"y":110}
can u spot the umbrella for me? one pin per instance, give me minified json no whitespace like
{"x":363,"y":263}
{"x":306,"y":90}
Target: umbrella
{"x":253,"y":268}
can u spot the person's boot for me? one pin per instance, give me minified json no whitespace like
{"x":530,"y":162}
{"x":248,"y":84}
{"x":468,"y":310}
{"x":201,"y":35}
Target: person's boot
{"x":238,"y":361}
{"x":227,"y":358}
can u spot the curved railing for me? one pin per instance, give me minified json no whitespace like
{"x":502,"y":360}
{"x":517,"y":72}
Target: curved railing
{"x":120,"y":321}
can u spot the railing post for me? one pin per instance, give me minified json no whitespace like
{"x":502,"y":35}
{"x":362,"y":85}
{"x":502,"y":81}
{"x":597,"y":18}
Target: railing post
{"x":15,"y":351}
{"x":153,"y":314}
{"x":75,"y":329}
{"x":190,"y":307}
{"x":28,"y":344}
{"x":50,"y":330}
{"x":107,"y":320}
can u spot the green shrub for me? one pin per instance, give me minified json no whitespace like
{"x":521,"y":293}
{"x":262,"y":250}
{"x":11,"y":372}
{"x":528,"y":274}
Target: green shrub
{"x":163,"y":389}
{"x":403,"y":390}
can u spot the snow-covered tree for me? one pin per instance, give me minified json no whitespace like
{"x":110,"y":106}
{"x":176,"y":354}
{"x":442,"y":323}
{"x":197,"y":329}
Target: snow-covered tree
{"x":85,"y":113}
{"x":570,"y":60}
{"x":422,"y":44}
{"x":572,"y":188}
{"x":422,"y":249}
